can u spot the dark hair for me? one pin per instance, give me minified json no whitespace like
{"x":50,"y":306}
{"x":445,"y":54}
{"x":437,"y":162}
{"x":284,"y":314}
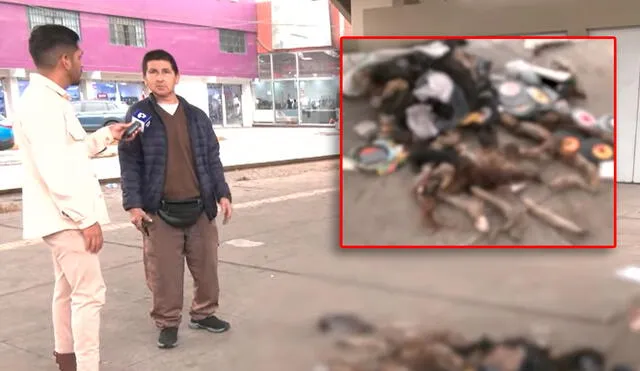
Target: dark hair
{"x":159,"y":55}
{"x":48,"y":41}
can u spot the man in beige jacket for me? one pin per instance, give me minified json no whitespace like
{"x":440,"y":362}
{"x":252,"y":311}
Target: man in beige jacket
{"x":62,"y":199}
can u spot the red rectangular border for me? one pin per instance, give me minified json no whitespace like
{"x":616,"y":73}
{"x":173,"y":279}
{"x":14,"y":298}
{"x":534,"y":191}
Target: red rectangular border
{"x":615,"y":172}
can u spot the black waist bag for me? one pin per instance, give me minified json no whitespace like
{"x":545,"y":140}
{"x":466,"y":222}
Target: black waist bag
{"x":181,"y":214}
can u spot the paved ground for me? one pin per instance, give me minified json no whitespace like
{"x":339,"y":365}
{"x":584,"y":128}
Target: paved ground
{"x":379,"y":211}
{"x":273,"y":293}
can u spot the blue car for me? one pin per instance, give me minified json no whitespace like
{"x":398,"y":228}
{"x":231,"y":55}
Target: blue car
{"x":6,"y":134}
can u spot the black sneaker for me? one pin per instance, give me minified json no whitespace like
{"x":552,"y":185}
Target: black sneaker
{"x":211,"y":323}
{"x":168,"y":338}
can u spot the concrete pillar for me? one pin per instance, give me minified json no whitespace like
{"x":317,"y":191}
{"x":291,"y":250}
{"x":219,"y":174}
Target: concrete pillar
{"x":86,"y":90}
{"x":12,"y":94}
{"x":248,"y":105}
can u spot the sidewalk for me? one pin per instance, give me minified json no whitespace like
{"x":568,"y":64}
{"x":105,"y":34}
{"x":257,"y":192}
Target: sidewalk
{"x":274,"y":289}
{"x":238,"y":147}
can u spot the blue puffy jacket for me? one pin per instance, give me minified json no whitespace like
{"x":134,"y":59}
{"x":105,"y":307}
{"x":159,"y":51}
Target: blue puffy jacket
{"x":143,"y":160}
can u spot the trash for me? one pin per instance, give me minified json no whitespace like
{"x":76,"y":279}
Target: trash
{"x":366,"y":129}
{"x":435,"y":100}
{"x":360,"y":345}
{"x":560,"y":80}
{"x":380,"y":157}
{"x":349,"y":164}
{"x":583,"y":118}
{"x":606,"y":123}
{"x":434,"y":84}
{"x":420,"y":119}
{"x":537,"y":45}
{"x":515,"y":100}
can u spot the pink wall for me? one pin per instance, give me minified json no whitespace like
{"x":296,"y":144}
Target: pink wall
{"x":14,"y":34}
{"x":240,"y":15}
{"x":195,"y":47}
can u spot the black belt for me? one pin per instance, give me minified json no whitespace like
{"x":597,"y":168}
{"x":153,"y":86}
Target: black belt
{"x":181,"y":213}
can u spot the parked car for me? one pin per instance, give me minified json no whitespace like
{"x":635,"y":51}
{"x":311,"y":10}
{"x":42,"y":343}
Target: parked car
{"x":6,"y":134}
{"x":94,"y":114}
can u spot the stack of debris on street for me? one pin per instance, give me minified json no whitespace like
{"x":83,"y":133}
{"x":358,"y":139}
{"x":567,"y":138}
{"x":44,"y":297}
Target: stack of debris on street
{"x":361,"y":346}
{"x":469,"y":133}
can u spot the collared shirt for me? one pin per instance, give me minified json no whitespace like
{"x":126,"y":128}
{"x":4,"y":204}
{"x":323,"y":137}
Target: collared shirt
{"x":60,"y":189}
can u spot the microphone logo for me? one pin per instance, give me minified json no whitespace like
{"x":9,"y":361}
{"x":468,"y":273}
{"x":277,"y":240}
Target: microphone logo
{"x":142,"y":118}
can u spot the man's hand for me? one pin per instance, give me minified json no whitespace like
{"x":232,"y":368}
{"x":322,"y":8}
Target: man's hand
{"x":139,"y":218}
{"x":226,"y":209}
{"x":93,"y":238}
{"x":118,"y":129}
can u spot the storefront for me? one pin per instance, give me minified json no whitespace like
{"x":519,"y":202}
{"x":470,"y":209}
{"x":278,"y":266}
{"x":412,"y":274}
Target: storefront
{"x":18,"y":86}
{"x":227,"y":100}
{"x":297,"y":88}
{"x":119,"y":91}
{"x":74,"y":91}
{"x":128,"y":92}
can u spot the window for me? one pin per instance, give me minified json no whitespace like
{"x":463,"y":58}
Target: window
{"x":40,"y":16}
{"x":315,"y":64}
{"x":94,"y":107}
{"x":264,"y":66}
{"x":126,"y":31}
{"x":232,"y":41}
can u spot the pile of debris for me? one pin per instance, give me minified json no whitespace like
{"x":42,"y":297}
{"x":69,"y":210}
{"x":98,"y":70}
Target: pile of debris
{"x":403,"y":347}
{"x":440,"y":109}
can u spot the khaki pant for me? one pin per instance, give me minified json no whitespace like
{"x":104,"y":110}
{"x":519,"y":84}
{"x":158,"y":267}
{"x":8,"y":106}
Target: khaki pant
{"x":78,"y":297}
{"x":165,"y":250}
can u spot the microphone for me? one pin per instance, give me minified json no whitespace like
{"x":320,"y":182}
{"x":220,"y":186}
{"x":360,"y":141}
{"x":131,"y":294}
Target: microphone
{"x":140,"y":121}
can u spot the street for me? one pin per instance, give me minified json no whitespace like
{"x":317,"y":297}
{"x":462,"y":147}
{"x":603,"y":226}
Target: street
{"x":281,"y":268}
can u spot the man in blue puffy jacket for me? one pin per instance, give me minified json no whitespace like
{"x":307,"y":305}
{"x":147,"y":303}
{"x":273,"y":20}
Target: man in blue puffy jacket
{"x":172,"y":182}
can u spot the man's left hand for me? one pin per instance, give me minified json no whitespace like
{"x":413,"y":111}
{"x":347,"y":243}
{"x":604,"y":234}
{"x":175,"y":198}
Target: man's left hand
{"x":226,"y":209}
{"x":118,"y":129}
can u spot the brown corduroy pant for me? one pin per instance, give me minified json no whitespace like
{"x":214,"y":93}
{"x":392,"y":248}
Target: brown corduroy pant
{"x":165,"y":250}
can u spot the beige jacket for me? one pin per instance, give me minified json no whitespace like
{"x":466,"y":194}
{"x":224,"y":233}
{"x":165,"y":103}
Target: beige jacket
{"x":60,"y":189}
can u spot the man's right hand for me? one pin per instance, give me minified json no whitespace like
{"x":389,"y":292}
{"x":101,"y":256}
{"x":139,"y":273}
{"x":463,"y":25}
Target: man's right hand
{"x":93,"y":238}
{"x":138,"y":217}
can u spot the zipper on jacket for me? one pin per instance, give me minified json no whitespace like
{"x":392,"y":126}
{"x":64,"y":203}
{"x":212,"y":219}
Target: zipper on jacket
{"x":153,"y":102}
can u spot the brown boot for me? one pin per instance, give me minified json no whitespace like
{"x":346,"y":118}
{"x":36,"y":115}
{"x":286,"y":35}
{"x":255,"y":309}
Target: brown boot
{"x":66,"y":362}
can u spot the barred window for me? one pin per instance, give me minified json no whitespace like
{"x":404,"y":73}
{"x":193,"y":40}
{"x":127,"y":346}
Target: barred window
{"x":232,"y":41}
{"x":40,"y":16}
{"x":127,"y":31}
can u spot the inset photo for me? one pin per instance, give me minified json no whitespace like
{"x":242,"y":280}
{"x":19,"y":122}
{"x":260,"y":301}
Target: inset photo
{"x":478,"y":142}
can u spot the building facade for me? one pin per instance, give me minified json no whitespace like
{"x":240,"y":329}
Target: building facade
{"x":298,"y":43}
{"x":214,"y":43}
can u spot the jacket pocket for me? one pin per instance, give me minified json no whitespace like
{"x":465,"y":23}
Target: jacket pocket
{"x":74,"y":129}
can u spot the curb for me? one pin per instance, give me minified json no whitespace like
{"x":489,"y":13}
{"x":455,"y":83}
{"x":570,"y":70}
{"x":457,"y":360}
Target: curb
{"x":257,"y":165}
{"x":226,"y":168}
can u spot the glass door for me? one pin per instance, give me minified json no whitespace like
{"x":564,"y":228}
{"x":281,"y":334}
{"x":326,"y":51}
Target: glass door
{"x":216,"y":105}
{"x":233,"y":105}
{"x":286,"y":101}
